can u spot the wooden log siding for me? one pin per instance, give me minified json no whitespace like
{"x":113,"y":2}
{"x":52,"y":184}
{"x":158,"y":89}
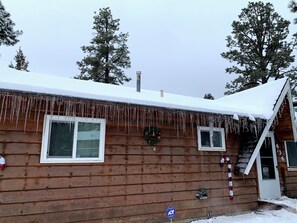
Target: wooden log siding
{"x":134,"y":184}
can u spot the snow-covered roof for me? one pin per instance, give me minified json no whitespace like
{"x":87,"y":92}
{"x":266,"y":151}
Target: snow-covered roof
{"x":257,"y":102}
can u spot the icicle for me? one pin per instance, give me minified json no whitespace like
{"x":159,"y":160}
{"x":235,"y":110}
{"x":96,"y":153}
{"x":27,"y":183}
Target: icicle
{"x":5,"y":110}
{"x":251,"y":118}
{"x":192,"y":124}
{"x":130,"y":116}
{"x":14,"y":108}
{"x":2,"y":105}
{"x":184,"y":120}
{"x":197,"y":119}
{"x":35,"y":111}
{"x":137,"y":118}
{"x":28,"y":109}
{"x":38,"y":113}
{"x":235,"y":117}
{"x":46,"y":106}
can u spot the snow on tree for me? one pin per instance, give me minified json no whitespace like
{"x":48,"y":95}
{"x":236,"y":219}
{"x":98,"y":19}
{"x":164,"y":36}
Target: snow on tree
{"x":8,"y":36}
{"x":108,"y":53}
{"x":20,"y":61}
{"x":259,"y":48}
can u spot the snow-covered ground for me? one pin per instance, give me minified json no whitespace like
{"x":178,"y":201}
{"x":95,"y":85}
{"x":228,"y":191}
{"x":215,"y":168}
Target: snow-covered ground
{"x":284,"y":201}
{"x":267,"y":216}
{"x":288,"y":214}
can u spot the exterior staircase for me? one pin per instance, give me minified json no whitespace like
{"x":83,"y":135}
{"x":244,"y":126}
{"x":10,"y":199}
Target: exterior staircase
{"x":249,"y":142}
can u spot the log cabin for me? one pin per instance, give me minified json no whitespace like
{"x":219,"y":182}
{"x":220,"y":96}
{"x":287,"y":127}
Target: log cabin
{"x":80,"y":151}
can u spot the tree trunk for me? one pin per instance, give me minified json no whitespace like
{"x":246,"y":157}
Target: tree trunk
{"x":106,"y":73}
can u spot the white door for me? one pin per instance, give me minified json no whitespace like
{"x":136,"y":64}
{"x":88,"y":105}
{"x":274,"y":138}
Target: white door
{"x":268,"y":178}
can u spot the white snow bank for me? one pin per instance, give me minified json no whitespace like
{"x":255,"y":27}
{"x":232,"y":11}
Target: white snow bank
{"x":275,"y":216}
{"x":283,"y":201}
{"x":257,"y":102}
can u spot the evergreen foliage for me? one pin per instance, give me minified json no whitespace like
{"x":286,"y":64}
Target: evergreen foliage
{"x":20,"y":61}
{"x":108,"y":53}
{"x":293,"y":7}
{"x":8,"y":36}
{"x":259,"y":47}
{"x":209,"y":96}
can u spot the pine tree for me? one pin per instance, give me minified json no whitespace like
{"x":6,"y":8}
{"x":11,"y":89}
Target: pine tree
{"x":20,"y":60}
{"x":8,"y":36}
{"x":293,"y":7}
{"x":208,"y":96}
{"x":108,"y":53}
{"x":259,"y":47}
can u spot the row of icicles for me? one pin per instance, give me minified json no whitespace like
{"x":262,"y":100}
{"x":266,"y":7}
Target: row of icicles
{"x":29,"y":106}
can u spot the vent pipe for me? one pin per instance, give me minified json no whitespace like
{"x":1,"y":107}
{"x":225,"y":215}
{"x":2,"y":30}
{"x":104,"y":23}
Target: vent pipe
{"x":138,"y":80}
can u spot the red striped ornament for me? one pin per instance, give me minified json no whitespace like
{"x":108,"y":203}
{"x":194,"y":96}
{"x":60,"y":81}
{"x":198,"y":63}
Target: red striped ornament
{"x":226,"y":159}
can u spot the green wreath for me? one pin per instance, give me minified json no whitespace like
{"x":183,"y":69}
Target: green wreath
{"x":152,"y":135}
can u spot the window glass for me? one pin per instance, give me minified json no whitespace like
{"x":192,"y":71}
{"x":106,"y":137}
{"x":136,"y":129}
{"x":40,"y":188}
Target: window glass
{"x":267,"y":162}
{"x":267,"y":166}
{"x":217,"y":139}
{"x":211,"y":138}
{"x":73,"y":140}
{"x":88,"y":138}
{"x":61,"y":139}
{"x":205,"y":138}
{"x":266,"y":149}
{"x":291,"y":153}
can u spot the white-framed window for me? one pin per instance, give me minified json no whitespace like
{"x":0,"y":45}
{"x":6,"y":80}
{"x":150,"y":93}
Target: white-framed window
{"x":72,"y":140}
{"x":291,"y":153}
{"x":211,"y":139}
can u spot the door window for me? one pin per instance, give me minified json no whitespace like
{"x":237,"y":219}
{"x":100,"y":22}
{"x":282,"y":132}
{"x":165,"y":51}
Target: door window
{"x":267,"y":162}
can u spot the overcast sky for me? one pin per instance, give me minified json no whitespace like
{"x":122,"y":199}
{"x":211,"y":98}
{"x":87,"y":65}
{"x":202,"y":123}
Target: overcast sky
{"x":176,"y":44}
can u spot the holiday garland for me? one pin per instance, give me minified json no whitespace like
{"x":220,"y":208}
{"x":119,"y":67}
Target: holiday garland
{"x":152,"y":135}
{"x":229,"y":166}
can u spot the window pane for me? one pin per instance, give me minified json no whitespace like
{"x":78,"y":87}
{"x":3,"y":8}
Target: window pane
{"x":266,"y":149}
{"x":217,"y":139}
{"x":267,"y":166}
{"x":61,"y":139}
{"x":205,"y":138}
{"x":267,"y":163}
{"x":292,"y":153}
{"x":88,"y":138}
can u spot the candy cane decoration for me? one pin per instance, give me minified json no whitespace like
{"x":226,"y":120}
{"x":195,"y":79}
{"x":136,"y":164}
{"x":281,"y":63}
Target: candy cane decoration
{"x":229,"y":166}
{"x":2,"y":163}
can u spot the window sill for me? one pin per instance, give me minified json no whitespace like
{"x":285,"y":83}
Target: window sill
{"x":86,"y":160}
{"x":209,"y":149}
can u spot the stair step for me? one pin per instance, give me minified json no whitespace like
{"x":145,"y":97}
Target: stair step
{"x":241,"y":165}
{"x":246,"y":151}
{"x":244,"y":160}
{"x":245,"y":155}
